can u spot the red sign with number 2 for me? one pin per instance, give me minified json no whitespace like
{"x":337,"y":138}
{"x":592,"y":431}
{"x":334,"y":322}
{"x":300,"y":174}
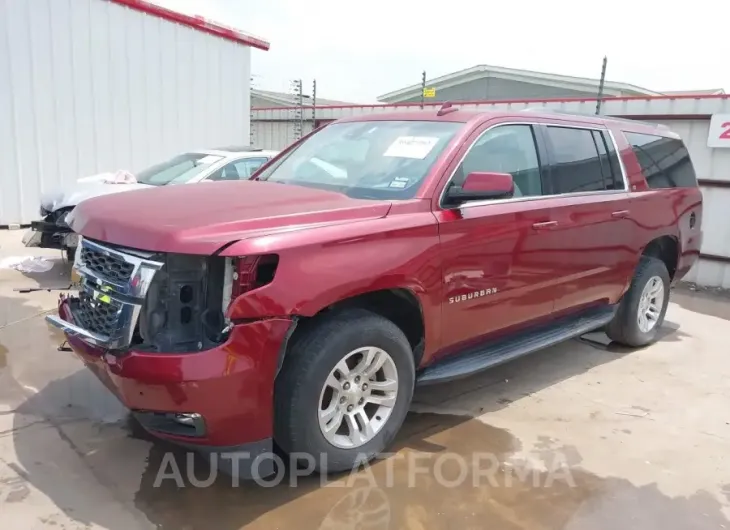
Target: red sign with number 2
{"x":719,"y":134}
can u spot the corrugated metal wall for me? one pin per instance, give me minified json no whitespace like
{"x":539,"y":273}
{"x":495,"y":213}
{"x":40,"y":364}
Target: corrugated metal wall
{"x":277,"y":135}
{"x":710,"y":164}
{"x":89,"y":86}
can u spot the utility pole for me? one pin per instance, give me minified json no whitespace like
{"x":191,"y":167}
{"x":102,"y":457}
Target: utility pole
{"x":423,"y":87}
{"x":250,"y":116}
{"x":599,"y":99}
{"x":298,"y":110}
{"x":314,"y":104}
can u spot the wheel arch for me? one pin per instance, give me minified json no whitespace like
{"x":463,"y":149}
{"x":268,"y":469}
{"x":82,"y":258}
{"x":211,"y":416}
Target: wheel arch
{"x":400,"y":305}
{"x":666,"y":249}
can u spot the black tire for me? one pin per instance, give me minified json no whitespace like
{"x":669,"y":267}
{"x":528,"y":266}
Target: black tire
{"x":70,"y":254}
{"x":306,"y":366}
{"x":624,"y":328}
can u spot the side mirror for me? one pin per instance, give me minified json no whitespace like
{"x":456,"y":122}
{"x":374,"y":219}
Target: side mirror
{"x":481,"y":186}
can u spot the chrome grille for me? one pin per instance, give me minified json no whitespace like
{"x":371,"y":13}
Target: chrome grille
{"x":113,"y":287}
{"x":97,"y":316}
{"x":109,"y":266}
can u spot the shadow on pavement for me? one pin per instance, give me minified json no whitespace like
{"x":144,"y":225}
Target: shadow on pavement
{"x":445,"y":471}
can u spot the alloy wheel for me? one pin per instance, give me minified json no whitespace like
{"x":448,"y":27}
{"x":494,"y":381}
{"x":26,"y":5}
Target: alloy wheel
{"x":358,"y":397}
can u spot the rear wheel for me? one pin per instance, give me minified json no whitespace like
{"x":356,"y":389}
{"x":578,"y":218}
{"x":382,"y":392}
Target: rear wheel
{"x":344,"y":389}
{"x":643,"y":307}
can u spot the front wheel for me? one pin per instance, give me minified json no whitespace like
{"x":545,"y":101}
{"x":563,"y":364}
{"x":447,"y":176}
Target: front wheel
{"x":643,"y":307}
{"x":344,"y":390}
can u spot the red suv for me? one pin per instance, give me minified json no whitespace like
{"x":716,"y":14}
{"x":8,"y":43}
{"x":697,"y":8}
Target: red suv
{"x":379,"y":252}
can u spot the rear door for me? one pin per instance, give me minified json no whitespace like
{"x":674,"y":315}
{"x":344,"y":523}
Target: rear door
{"x":594,"y":250}
{"x":494,"y":272}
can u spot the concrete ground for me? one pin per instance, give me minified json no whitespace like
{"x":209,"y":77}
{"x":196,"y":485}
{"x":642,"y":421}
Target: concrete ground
{"x":585,"y":435}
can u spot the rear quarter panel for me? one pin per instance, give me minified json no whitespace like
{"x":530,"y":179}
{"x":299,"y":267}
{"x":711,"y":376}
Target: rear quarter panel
{"x":662,"y":212}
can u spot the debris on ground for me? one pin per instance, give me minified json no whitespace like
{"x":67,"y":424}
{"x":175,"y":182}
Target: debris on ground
{"x":26,"y":263}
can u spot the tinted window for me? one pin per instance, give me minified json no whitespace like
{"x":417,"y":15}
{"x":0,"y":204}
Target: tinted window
{"x":506,"y":149}
{"x":664,"y":162}
{"x":577,"y":162}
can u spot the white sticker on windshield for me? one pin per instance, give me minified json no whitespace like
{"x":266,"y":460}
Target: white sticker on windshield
{"x":398,"y":183}
{"x":411,"y":146}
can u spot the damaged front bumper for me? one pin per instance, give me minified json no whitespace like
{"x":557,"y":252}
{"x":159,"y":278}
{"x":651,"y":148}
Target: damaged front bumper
{"x":218,"y":401}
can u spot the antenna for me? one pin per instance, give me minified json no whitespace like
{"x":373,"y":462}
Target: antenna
{"x":446,"y":108}
{"x":600,"y":85}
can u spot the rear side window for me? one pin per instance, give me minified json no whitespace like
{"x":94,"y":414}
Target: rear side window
{"x":665,"y":162}
{"x":578,"y":166}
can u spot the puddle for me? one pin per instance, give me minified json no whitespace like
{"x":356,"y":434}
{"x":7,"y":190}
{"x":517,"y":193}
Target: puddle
{"x":449,"y":472}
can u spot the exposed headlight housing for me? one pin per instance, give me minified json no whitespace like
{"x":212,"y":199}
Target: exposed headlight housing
{"x":246,"y":273}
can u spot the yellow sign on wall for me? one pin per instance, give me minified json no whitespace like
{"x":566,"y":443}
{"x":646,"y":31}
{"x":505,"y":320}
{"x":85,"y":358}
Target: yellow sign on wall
{"x":429,"y":92}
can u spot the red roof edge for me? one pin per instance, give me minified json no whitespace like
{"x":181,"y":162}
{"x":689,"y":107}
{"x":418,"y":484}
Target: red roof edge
{"x":507,"y":102}
{"x":195,"y":22}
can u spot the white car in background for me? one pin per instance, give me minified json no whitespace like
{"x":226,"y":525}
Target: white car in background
{"x":210,"y":165}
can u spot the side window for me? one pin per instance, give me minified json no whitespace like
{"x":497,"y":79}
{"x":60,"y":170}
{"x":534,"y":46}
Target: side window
{"x":506,"y":149}
{"x":238,"y":170}
{"x":248,"y":166}
{"x":665,"y":162}
{"x":577,"y":162}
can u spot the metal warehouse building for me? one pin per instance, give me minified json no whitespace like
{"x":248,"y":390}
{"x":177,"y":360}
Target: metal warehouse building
{"x":495,"y":83}
{"x":88,"y":86}
{"x":689,"y":115}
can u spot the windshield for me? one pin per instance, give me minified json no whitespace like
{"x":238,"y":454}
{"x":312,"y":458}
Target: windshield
{"x":177,"y":170}
{"x":366,"y":160}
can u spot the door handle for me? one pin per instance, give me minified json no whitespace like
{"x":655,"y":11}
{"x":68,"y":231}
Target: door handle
{"x":620,"y":213}
{"x":545,"y":225}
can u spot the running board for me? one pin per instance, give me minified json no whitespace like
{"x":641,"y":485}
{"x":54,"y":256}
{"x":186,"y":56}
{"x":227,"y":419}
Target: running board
{"x":499,"y":351}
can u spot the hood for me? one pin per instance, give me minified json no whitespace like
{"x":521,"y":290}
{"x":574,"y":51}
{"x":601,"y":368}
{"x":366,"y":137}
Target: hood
{"x":200,"y":219}
{"x":84,"y":189}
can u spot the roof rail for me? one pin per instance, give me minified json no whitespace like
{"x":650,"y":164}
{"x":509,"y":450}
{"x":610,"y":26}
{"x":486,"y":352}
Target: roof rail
{"x":548,"y":110}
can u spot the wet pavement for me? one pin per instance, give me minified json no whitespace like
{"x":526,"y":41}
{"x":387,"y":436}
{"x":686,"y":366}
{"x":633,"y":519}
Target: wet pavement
{"x":585,"y":435}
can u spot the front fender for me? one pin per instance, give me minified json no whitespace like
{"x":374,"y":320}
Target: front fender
{"x":311,"y":278}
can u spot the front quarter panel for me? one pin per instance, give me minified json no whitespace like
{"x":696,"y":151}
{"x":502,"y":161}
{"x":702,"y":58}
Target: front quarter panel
{"x":325,"y":265}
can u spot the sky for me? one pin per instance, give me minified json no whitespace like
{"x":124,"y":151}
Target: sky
{"x":359,"y":50}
